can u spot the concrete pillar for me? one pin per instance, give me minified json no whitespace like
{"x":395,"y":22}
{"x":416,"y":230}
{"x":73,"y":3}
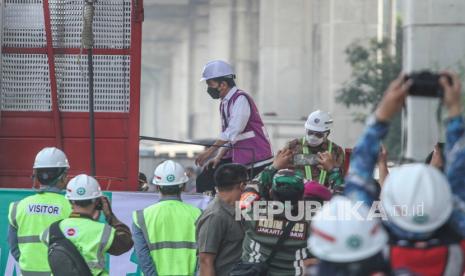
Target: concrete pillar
{"x":434,"y":35}
{"x":244,"y":44}
{"x":338,"y":24}
{"x":203,"y":111}
{"x":284,"y":81}
{"x":179,"y":90}
{"x":303,"y":61}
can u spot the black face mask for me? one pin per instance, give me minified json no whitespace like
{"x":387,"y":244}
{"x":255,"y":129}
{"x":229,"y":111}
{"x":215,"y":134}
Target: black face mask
{"x":213,"y":92}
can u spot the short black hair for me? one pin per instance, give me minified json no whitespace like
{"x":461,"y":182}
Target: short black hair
{"x":171,"y":190}
{"x":82,"y":203}
{"x":228,"y":175}
{"x":49,"y":176}
{"x":228,"y":79}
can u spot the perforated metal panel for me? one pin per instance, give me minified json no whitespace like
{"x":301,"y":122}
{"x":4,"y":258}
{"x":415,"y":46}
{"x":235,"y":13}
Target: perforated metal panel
{"x":25,"y":83}
{"x":25,"y":78}
{"x":23,"y":24}
{"x":112,"y":23}
{"x":111,"y":83}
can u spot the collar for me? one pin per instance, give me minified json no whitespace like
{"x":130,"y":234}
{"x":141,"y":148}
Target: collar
{"x":228,"y":208}
{"x":231,"y":92}
{"x":49,"y":189}
{"x":79,"y":215}
{"x":170,"y":197}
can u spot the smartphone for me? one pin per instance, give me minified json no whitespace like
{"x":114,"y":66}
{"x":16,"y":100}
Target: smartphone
{"x":426,"y":84}
{"x":305,"y":159}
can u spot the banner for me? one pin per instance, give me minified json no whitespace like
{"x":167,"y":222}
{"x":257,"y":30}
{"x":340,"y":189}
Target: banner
{"x":123,"y":204}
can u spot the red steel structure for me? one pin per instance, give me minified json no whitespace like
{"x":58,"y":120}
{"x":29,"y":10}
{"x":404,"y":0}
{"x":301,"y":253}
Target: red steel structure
{"x":44,"y":89}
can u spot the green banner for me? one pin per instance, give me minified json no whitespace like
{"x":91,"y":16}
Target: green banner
{"x":7,"y":196}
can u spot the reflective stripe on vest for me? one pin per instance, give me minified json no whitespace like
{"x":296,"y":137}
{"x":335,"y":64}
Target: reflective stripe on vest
{"x":103,"y":243}
{"x":35,"y":273}
{"x":308,"y":168}
{"x":173,"y":245}
{"x":28,"y":239}
{"x":100,"y":263}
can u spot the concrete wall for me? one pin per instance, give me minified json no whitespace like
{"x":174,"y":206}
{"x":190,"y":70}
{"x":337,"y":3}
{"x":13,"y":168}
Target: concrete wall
{"x":434,"y":32}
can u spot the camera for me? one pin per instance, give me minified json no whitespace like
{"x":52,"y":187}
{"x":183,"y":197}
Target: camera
{"x":305,"y":159}
{"x":426,"y":84}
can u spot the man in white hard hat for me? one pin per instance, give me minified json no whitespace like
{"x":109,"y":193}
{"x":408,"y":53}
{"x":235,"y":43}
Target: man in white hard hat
{"x":312,"y":151}
{"x":426,"y":231}
{"x":30,"y":216}
{"x":164,"y":233}
{"x":92,"y":239}
{"x":242,"y":127}
{"x":347,"y":241}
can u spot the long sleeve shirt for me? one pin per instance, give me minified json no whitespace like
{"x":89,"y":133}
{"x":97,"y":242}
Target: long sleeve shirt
{"x":359,"y":184}
{"x":143,"y":252}
{"x":238,"y":117}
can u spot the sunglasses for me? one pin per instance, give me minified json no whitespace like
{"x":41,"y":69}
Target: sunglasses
{"x":317,"y":134}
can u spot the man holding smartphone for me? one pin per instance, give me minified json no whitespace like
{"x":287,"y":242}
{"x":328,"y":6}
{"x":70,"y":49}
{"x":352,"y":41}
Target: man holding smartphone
{"x":91,"y":238}
{"x":314,"y":155}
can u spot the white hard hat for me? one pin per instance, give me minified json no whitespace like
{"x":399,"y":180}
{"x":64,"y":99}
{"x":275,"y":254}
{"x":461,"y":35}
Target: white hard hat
{"x":83,"y":187}
{"x":51,"y":158}
{"x":169,"y":173}
{"x":216,"y":69}
{"x":338,"y":235}
{"x":417,"y":198}
{"x":319,"y":121}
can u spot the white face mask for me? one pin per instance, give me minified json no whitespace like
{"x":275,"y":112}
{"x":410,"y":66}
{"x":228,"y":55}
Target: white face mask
{"x":314,"y":141}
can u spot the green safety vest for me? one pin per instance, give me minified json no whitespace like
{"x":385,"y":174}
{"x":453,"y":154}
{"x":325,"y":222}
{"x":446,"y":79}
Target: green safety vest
{"x":169,"y":230}
{"x":91,"y":238}
{"x":308,"y":168}
{"x":31,"y":216}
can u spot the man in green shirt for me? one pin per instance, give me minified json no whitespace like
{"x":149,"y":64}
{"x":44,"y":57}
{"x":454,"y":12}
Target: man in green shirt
{"x":219,"y":234}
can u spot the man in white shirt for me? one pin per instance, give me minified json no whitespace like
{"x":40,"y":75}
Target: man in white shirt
{"x":243,"y":139}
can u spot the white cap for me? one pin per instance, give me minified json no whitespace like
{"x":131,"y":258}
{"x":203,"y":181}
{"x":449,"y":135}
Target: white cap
{"x":51,"y":158}
{"x":338,"y":235}
{"x":83,"y":187}
{"x":319,"y":121}
{"x":216,"y":69}
{"x":417,"y":198}
{"x":169,"y":173}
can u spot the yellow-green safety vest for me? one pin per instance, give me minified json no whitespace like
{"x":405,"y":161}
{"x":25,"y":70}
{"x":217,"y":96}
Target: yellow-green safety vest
{"x":91,"y":238}
{"x":308,"y":168}
{"x":30,"y":217}
{"x":169,"y":230}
